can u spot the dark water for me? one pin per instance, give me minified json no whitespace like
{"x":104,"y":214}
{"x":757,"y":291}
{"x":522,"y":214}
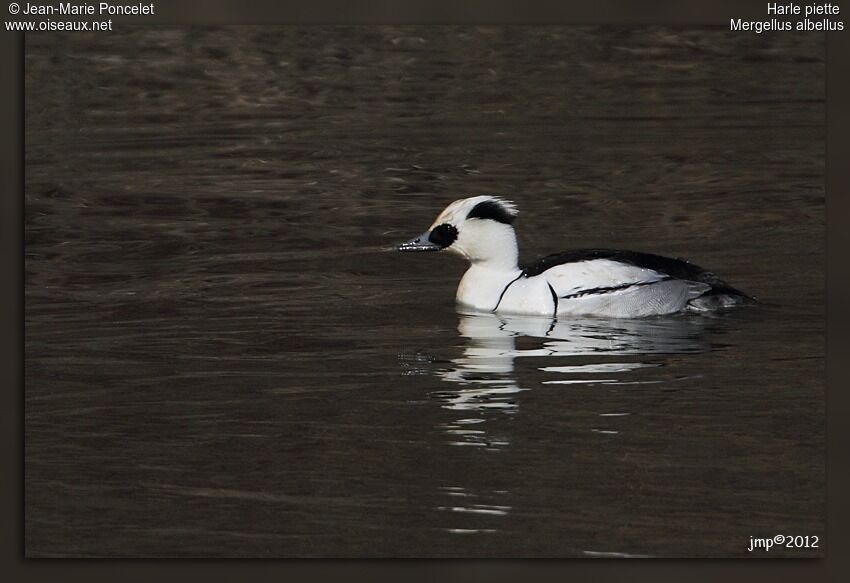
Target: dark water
{"x":224,"y":359}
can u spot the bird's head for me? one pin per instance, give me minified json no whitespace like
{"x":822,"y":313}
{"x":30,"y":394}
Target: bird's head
{"x":478,"y":228}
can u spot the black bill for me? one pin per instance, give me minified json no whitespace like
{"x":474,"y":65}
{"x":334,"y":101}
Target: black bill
{"x":420,"y":243}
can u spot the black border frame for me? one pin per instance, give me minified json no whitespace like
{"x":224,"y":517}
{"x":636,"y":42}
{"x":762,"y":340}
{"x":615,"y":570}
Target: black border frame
{"x":619,"y":12}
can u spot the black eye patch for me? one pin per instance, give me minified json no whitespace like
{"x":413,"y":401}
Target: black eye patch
{"x":443,"y":235}
{"x":490,"y":209}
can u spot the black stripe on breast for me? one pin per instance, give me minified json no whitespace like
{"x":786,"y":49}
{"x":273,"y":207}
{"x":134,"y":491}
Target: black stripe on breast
{"x":501,"y":295}
{"x":554,"y":298}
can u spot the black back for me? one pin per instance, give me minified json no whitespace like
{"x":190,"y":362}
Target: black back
{"x":673,"y":268}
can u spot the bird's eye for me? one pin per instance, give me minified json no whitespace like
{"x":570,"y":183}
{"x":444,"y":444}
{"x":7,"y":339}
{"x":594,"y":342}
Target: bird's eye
{"x":443,"y":235}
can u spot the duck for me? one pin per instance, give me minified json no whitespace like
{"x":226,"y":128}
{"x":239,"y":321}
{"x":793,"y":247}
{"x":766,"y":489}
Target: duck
{"x":584,"y":282}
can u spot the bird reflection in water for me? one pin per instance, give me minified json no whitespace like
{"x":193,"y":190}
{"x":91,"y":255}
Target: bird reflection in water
{"x":590,"y":351}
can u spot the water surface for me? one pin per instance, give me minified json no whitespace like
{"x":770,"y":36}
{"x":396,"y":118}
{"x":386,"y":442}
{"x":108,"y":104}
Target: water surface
{"x":223,"y":358}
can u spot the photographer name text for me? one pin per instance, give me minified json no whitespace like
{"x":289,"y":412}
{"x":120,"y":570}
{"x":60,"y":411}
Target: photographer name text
{"x":99,"y":9}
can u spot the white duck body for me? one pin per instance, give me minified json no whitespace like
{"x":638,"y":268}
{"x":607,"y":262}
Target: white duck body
{"x":600,"y":282}
{"x":577,"y":289}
